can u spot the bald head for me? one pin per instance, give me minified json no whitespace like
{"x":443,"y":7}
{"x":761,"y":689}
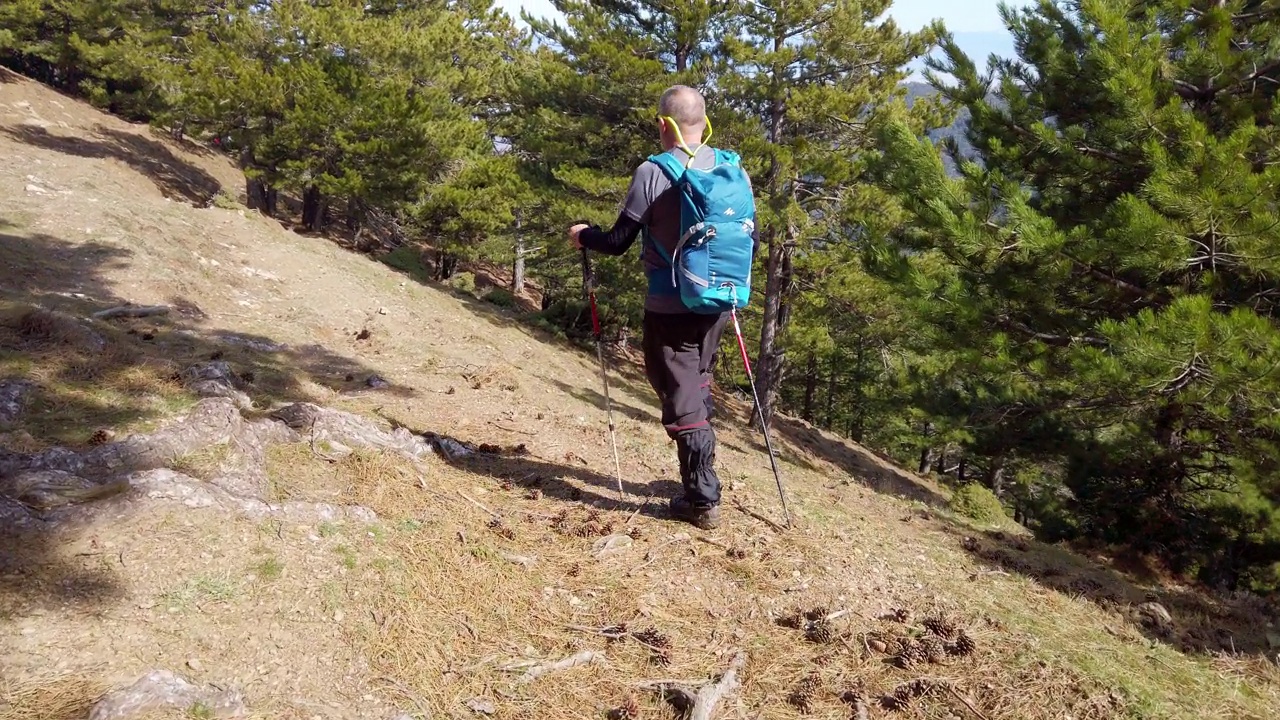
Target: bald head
{"x":687,"y":107}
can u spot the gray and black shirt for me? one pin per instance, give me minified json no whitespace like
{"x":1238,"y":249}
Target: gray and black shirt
{"x":651,"y":203}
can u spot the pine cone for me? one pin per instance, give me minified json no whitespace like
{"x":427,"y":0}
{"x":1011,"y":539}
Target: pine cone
{"x":942,"y":626}
{"x":560,"y":520}
{"x":820,"y":632}
{"x":593,"y":515}
{"x":901,"y":615}
{"x":635,"y":533}
{"x":575,"y":570}
{"x":933,"y":648}
{"x":816,"y":613}
{"x":659,"y":645}
{"x":854,"y":695}
{"x":534,"y":494}
{"x":736,"y":553}
{"x":101,"y":437}
{"x":793,"y":619}
{"x":508,"y":485}
{"x":607,"y":528}
{"x":911,"y":656}
{"x":803,"y":696}
{"x":905,"y":693}
{"x":963,"y":646}
{"x":589,"y":529}
{"x":629,"y":710}
{"x":498,"y":527}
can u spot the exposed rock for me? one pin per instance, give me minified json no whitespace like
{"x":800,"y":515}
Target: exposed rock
{"x":161,"y":689}
{"x":1155,"y":616}
{"x":215,"y":379}
{"x":377,"y":382}
{"x":169,"y":485}
{"x":210,"y":422}
{"x":13,"y":398}
{"x":317,"y":424}
{"x":48,"y":489}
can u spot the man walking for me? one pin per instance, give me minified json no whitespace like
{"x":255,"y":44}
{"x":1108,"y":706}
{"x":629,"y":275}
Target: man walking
{"x":680,"y":346}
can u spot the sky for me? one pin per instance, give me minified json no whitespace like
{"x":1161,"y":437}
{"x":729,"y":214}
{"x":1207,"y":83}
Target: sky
{"x":974,"y":23}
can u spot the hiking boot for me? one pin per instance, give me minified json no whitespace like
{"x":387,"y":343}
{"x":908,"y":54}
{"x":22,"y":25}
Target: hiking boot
{"x":700,"y":515}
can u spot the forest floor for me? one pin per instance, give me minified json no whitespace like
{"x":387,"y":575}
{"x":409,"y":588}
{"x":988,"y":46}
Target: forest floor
{"x":378,"y":584}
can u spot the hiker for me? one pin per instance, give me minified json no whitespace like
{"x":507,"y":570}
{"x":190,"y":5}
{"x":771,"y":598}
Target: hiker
{"x":680,"y":346}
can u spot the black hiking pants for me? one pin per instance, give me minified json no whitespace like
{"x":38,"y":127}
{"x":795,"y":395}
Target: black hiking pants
{"x":680,"y":351}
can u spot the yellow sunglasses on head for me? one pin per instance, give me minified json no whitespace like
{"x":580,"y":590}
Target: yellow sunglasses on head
{"x":675,"y":126}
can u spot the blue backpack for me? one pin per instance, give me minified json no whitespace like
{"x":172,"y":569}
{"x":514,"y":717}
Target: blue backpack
{"x":711,"y":265}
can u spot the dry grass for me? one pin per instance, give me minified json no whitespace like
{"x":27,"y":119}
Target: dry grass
{"x":428,"y":606}
{"x":51,"y":697}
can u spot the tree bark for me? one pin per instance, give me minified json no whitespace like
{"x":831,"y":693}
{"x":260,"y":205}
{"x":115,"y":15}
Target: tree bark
{"x":446,"y":265}
{"x":313,"y":207}
{"x":517,"y":268}
{"x":255,"y":191}
{"x":810,"y":387}
{"x":927,"y":454}
{"x":995,"y":476}
{"x":831,"y":393}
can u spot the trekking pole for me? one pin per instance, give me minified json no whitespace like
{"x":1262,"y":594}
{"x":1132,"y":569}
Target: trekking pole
{"x":588,"y":286}
{"x":768,"y":444}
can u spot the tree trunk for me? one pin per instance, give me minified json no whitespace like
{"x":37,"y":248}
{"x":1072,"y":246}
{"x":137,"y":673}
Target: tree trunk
{"x":810,"y":387}
{"x":446,"y":265}
{"x":927,"y":455}
{"x":960,"y":471}
{"x":313,"y":207}
{"x":831,"y":393}
{"x":770,"y":362}
{"x":858,"y":413}
{"x":995,"y":476}
{"x":255,"y":191}
{"x":517,"y":269}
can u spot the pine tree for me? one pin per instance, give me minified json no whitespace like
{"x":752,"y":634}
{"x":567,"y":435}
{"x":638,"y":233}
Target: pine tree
{"x":582,"y":117}
{"x":1101,"y":287}
{"x":808,"y":75}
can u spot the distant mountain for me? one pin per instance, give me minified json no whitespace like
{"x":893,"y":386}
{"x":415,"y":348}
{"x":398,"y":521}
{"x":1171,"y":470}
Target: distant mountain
{"x":917,"y":90}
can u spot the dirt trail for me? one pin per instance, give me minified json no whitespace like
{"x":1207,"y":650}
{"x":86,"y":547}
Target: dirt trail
{"x":457,"y":574}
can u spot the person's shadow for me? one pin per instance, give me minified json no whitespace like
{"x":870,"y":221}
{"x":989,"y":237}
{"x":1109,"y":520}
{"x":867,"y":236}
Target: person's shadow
{"x":570,"y":482}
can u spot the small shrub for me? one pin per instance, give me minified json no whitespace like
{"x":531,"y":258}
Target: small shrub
{"x":500,"y":297}
{"x":408,"y":260}
{"x":226,"y":201}
{"x":977,"y":503}
{"x":463,"y":282}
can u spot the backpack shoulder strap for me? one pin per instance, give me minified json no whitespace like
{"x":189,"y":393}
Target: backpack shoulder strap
{"x":671,"y":167}
{"x":727,"y":157}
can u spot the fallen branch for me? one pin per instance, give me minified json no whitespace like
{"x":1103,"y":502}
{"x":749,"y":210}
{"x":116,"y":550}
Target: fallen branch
{"x":533,"y":673}
{"x":758,"y":516}
{"x":956,"y":693}
{"x":500,"y":426}
{"x":700,"y":704}
{"x":133,"y":311}
{"x":478,"y":504}
{"x":643,"y":505}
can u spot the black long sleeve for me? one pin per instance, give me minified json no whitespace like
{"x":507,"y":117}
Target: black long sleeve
{"x":623,"y":233}
{"x":614,"y":242}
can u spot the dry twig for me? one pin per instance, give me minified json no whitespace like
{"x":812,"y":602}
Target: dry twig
{"x":132,"y":311}
{"x":700,"y":704}
{"x":533,"y":673}
{"x":478,"y":504}
{"x":758,"y":516}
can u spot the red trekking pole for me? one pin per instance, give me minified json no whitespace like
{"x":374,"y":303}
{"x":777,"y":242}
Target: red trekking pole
{"x":588,"y":286}
{"x":768,"y":444}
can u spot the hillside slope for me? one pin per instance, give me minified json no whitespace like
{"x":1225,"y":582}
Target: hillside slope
{"x":344,"y":559}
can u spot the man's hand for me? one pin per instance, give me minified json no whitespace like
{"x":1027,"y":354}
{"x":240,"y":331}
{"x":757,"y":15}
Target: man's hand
{"x":573,"y":235}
